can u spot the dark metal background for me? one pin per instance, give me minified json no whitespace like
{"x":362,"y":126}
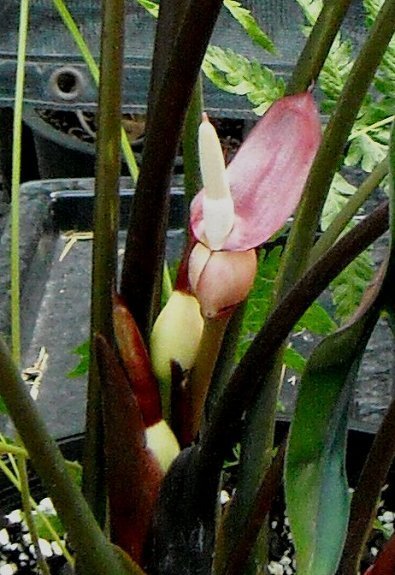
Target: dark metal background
{"x":50,"y":49}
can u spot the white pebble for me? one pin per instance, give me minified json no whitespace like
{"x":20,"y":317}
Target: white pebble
{"x":46,"y":505}
{"x":374,"y":551}
{"x":285,"y":560}
{"x":56,"y":548}
{"x":388,"y":517}
{"x":8,"y":569}
{"x":275,"y":568}
{"x":4,"y":537}
{"x":45,"y":547}
{"x":15,"y":516}
{"x":274,"y":524}
{"x":23,"y":557}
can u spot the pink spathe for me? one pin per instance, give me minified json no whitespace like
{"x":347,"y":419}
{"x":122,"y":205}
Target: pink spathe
{"x":268,"y":174}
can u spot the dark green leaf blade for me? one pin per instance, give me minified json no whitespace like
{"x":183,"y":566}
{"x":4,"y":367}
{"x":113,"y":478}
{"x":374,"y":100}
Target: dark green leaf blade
{"x":316,"y":485}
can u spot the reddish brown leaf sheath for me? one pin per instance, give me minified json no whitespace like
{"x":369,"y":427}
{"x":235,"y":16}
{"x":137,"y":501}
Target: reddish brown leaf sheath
{"x":136,"y":362}
{"x":133,"y":473}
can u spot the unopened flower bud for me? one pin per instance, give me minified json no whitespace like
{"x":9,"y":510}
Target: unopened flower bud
{"x":221,"y":280}
{"x":175,"y":337}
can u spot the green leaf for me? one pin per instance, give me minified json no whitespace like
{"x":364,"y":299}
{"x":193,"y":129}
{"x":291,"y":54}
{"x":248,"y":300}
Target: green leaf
{"x":294,"y":360}
{"x":336,"y":200}
{"x":236,"y":74}
{"x":250,"y":25}
{"x":316,"y":487}
{"x":42,"y":528}
{"x":151,"y":7}
{"x":349,"y":286}
{"x":317,"y":320}
{"x":367,"y":151}
{"x":82,"y":367}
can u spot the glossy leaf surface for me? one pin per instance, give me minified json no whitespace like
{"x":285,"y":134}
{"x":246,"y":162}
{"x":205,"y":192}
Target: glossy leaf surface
{"x":316,"y":486}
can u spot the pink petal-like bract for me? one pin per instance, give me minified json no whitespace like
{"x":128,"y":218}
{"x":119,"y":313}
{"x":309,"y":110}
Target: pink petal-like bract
{"x":225,"y":281}
{"x":268,"y":173}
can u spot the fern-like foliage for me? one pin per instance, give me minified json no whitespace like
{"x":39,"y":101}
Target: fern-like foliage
{"x":349,"y":286}
{"x":236,"y":74}
{"x":150,"y":6}
{"x":338,"y":196}
{"x":247,"y":21}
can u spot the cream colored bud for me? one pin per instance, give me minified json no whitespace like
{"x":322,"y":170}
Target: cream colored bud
{"x":175,"y":336}
{"x":163,"y":443}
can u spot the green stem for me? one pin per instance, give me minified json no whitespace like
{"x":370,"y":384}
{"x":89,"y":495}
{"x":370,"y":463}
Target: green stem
{"x":15,"y":272}
{"x":27,"y":511}
{"x":96,"y":554}
{"x":317,"y":46}
{"x":371,"y":127}
{"x":202,"y":371}
{"x":15,"y":181}
{"x":226,"y":360}
{"x":344,"y":217}
{"x":6,"y":449}
{"x":192,"y":179}
{"x":105,"y":245}
{"x":86,"y":54}
{"x":237,"y":559}
{"x":303,"y":231}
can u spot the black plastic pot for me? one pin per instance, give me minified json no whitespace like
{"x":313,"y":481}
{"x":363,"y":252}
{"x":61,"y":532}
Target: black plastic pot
{"x":62,"y":155}
{"x":59,"y":155}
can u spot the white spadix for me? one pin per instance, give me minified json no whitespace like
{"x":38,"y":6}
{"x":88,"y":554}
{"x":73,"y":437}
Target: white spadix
{"x":218,"y":207}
